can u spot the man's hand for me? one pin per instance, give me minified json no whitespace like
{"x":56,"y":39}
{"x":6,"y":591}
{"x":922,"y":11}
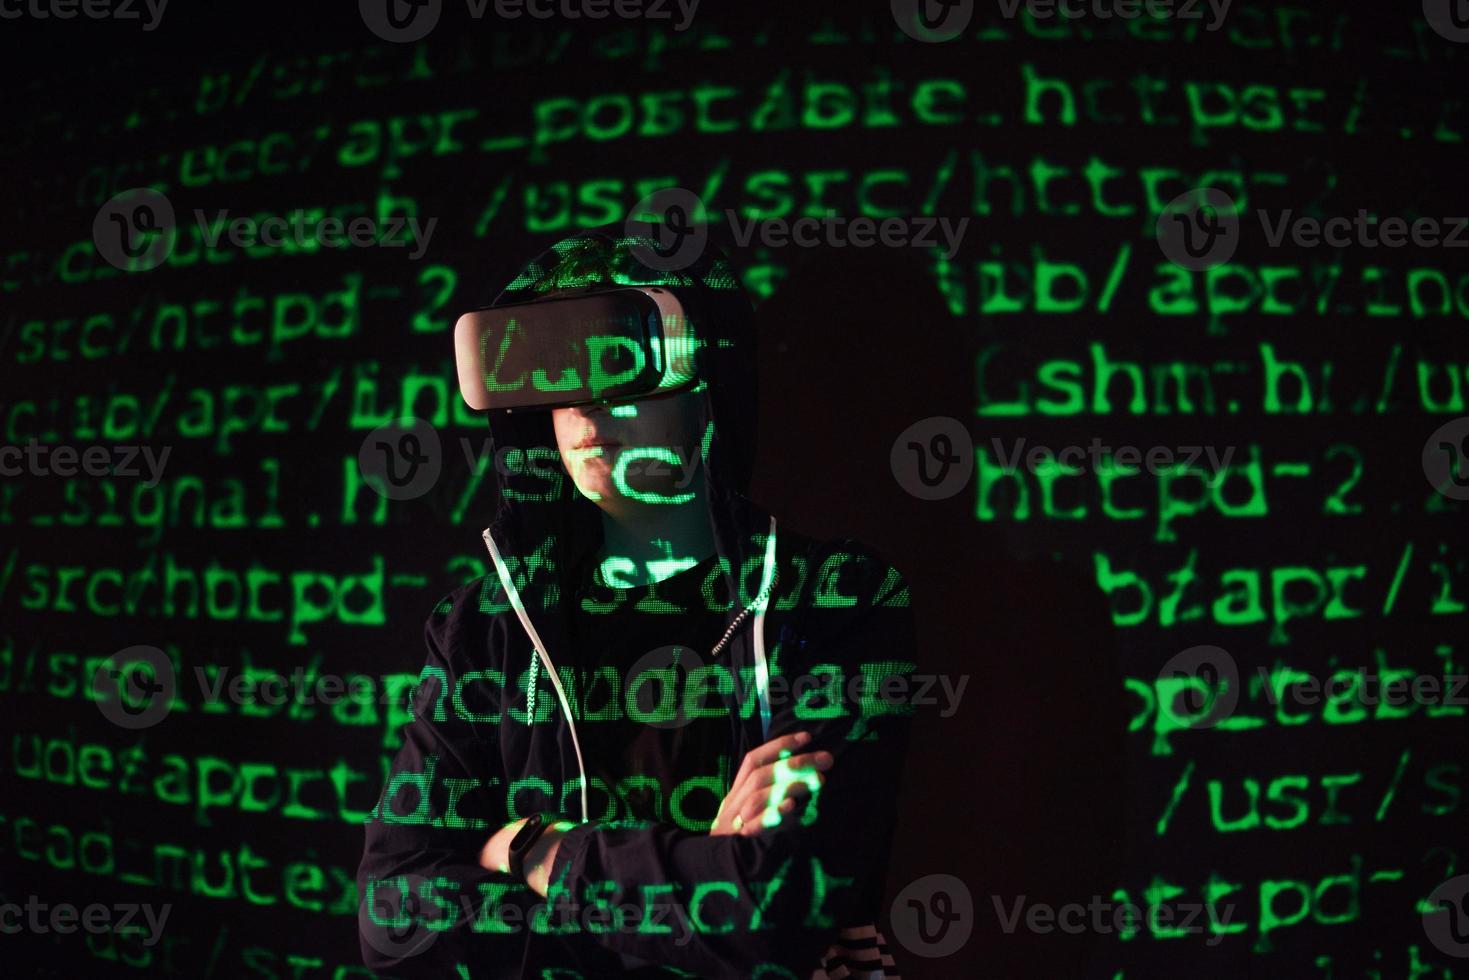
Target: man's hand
{"x":771,"y":784}
{"x":495,"y":856}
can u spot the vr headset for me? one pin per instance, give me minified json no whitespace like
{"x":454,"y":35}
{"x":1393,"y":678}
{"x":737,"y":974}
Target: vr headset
{"x":612,"y":346}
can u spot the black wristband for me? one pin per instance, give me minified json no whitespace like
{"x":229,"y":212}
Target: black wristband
{"x":535,"y":825}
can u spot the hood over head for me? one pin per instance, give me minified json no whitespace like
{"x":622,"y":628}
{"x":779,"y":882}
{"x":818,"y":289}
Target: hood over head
{"x":540,"y":516}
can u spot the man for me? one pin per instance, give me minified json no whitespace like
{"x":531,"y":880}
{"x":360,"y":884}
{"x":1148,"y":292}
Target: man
{"x":662,"y":736}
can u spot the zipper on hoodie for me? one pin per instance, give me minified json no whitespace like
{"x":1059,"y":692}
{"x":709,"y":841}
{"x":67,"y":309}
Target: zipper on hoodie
{"x":744,"y":614}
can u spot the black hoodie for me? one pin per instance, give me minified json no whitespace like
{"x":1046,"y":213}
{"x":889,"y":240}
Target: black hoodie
{"x":819,"y":639}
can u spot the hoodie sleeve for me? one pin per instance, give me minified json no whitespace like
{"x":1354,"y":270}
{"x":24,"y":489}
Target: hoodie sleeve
{"x":778,"y":898}
{"x":422,"y":889}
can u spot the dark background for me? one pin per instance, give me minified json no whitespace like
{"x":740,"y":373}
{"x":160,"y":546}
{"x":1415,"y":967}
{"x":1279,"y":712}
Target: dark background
{"x":1047,"y":782}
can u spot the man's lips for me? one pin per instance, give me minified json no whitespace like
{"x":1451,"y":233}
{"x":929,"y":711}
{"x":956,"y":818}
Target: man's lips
{"x":596,"y":443}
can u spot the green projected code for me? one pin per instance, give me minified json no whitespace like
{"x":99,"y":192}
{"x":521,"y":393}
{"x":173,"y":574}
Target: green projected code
{"x":1229,"y":457}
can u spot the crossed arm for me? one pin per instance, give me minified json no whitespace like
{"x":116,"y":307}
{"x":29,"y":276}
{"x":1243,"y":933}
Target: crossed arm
{"x":774,"y":785}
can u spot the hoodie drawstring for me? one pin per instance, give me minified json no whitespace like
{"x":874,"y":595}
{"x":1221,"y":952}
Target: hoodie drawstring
{"x":768,"y":578}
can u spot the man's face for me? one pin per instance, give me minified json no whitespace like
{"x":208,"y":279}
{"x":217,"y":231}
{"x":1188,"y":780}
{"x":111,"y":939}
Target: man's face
{"x":654,"y":442}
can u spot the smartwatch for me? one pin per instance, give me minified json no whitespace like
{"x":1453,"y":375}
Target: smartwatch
{"x":535,"y":825}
